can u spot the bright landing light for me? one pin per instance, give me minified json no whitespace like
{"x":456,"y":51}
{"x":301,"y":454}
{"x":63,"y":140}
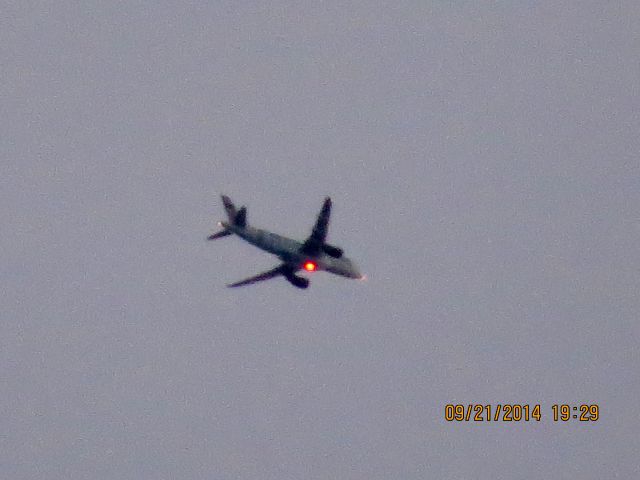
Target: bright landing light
{"x":309,"y":266}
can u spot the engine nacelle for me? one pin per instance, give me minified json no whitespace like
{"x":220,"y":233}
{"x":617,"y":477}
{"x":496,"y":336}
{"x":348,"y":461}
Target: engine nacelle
{"x":332,"y":251}
{"x":299,"y":282}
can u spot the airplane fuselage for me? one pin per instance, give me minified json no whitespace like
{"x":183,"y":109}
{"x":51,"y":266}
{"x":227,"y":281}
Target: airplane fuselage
{"x":289,"y":251}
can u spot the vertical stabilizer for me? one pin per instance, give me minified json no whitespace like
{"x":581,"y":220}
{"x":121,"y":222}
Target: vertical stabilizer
{"x":236,"y":217}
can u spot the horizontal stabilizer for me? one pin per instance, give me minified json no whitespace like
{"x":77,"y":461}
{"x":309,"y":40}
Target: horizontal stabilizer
{"x":220,"y":234}
{"x":229,"y":207}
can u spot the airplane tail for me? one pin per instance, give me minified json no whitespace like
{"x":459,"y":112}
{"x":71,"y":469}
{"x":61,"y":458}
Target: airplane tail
{"x":236,"y":217}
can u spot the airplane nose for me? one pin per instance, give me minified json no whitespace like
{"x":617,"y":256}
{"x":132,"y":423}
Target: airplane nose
{"x":344,"y":267}
{"x":355,"y":272}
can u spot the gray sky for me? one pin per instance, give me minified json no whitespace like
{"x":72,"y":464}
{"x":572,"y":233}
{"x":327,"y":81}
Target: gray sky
{"x":483,"y":159}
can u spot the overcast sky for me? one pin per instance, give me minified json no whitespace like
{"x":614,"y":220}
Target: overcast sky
{"x":483,"y":159}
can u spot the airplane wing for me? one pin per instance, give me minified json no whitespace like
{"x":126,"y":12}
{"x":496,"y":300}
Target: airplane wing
{"x":316,"y":240}
{"x":283,"y":269}
{"x":279,"y":270}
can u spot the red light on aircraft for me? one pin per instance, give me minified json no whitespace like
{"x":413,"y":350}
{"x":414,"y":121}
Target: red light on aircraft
{"x":310,"y":266}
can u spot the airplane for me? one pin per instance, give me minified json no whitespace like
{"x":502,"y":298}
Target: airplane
{"x":314,"y":254}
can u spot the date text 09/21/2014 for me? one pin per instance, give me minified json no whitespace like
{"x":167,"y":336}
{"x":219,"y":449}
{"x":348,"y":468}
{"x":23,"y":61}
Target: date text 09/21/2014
{"x":519,"y":412}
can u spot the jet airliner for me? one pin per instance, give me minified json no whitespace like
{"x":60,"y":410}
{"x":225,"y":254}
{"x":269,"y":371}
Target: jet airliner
{"x":314,"y":254}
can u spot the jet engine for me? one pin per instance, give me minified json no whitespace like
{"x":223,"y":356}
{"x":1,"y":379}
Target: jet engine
{"x":299,"y":282}
{"x":332,"y":251}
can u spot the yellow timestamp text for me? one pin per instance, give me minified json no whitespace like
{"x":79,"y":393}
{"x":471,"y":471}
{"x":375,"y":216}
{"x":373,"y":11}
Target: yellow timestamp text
{"x":491,"y":413}
{"x":582,"y":412}
{"x":515,"y":412}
